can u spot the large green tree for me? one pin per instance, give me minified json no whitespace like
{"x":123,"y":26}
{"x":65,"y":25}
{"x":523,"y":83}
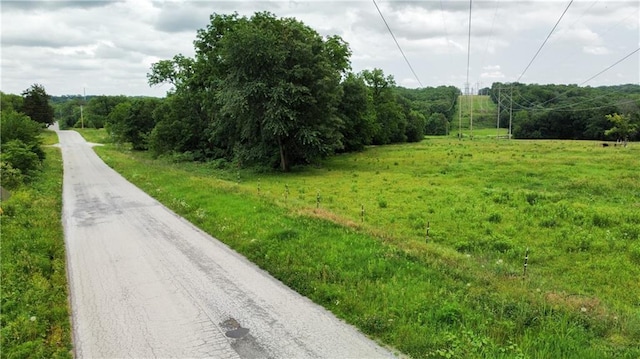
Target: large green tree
{"x":357,"y":114}
{"x":437,"y":124}
{"x":623,"y":127}
{"x":391,"y":121}
{"x":132,"y":121}
{"x":187,"y":117}
{"x":36,"y":105}
{"x":265,"y":89}
{"x":98,"y":108}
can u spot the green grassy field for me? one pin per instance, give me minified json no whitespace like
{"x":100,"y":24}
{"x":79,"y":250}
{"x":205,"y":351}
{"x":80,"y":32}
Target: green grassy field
{"x":35,"y":313}
{"x":460,"y":292}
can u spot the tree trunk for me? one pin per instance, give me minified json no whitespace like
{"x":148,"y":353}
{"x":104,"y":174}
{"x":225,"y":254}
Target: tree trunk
{"x":284,"y":163}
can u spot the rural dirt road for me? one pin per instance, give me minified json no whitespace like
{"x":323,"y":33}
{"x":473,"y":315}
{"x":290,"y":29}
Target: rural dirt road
{"x":145,"y":283}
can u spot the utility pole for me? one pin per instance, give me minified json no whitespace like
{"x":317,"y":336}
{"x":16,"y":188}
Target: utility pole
{"x":498,"y":121}
{"x":510,"y":109}
{"x":460,"y":117}
{"x":471,"y":113}
{"x":84,"y":98}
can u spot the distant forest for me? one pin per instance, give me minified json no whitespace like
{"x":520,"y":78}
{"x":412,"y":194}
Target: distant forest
{"x":396,"y":115}
{"x":565,"y":111}
{"x":399,"y":115}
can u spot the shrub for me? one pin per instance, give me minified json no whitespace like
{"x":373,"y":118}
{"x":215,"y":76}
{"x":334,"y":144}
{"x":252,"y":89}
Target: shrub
{"x":495,"y":218}
{"x":502,"y":198}
{"x":549,"y":222}
{"x":11,"y":177}
{"x":532,"y":198}
{"x":601,"y":220}
{"x":634,"y":253}
{"x":501,"y":245}
{"x":449,"y":314}
{"x":465,"y":246}
{"x":630,"y":231}
{"x":382,"y":203}
{"x":21,"y":153}
{"x":20,"y":157}
{"x":18,"y":126}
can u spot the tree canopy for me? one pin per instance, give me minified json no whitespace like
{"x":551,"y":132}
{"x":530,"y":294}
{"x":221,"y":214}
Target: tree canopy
{"x":272,"y":92}
{"x":132,"y":121}
{"x":623,"y":128}
{"x":36,"y":105}
{"x":263,"y":89}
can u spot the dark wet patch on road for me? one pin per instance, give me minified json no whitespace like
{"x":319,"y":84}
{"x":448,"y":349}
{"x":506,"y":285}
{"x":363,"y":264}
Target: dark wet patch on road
{"x":234,"y":329}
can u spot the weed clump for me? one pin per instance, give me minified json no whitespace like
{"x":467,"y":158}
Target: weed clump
{"x":382,"y":203}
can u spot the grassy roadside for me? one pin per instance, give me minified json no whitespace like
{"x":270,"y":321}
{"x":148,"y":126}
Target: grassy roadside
{"x":460,"y":294}
{"x":35,"y":315}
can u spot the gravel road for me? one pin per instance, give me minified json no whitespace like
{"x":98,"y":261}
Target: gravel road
{"x":146,"y":283}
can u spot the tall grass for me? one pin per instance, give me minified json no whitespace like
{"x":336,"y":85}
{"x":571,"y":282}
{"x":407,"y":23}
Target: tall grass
{"x":459,"y":293}
{"x":35,"y":316}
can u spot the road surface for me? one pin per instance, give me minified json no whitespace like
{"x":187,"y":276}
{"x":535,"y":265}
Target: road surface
{"x":146,"y":283}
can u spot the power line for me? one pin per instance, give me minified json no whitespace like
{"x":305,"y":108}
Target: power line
{"x":468,"y":65}
{"x":469,"y":44}
{"x":397,"y":44}
{"x":582,"y":15}
{"x":600,"y":33}
{"x":444,"y":24}
{"x":594,"y":76}
{"x":490,"y":39}
{"x":566,"y":107}
{"x":545,"y":41}
{"x":591,"y":108}
{"x":617,"y":62}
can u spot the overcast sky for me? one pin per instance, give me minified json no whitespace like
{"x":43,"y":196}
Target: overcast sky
{"x":108,"y":47}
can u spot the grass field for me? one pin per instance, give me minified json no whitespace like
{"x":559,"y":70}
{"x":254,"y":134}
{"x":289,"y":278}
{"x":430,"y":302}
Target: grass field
{"x":460,"y":291}
{"x":35,"y":313}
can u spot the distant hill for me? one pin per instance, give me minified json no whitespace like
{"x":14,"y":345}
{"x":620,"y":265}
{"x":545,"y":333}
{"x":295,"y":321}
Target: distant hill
{"x":484,"y":112}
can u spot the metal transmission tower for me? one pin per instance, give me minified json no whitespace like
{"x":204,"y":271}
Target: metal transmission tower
{"x":468,"y":66}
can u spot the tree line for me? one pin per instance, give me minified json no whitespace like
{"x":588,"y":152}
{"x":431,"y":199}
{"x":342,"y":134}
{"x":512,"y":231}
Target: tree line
{"x":569,"y":111}
{"x":271,"y":92}
{"x":266,"y":91}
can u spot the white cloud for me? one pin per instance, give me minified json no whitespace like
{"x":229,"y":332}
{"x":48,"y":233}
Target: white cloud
{"x":409,"y":82}
{"x":596,"y":50}
{"x":578,"y":34}
{"x":492,"y":75}
{"x":492,"y":68}
{"x":108,"y":47}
